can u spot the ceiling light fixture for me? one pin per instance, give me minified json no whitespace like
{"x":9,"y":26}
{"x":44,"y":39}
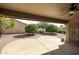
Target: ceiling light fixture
{"x":71,"y":13}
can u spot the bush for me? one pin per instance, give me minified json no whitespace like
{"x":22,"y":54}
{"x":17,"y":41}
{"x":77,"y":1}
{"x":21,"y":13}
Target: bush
{"x":6,"y":23}
{"x":61,"y":30}
{"x":51,"y":28}
{"x":42,"y":25}
{"x":31,"y":29}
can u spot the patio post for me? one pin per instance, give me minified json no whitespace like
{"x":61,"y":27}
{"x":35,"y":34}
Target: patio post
{"x":72,"y":31}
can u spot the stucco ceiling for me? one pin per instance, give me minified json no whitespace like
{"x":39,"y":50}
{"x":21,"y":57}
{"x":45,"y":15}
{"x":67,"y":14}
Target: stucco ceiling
{"x":53,"y":10}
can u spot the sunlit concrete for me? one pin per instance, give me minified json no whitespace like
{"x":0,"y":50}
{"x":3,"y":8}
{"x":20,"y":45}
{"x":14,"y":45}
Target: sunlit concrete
{"x":35,"y":45}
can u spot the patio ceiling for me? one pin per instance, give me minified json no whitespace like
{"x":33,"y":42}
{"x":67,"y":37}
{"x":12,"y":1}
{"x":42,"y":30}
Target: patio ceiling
{"x":38,"y":11}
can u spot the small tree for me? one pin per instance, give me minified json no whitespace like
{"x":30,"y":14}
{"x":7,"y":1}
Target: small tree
{"x":60,"y":30}
{"x":51,"y":28}
{"x":42,"y":25}
{"x":31,"y":29}
{"x":6,"y":23}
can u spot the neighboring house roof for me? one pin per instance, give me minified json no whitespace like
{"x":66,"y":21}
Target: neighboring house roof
{"x":27,"y":21}
{"x":36,"y":22}
{"x":20,"y":21}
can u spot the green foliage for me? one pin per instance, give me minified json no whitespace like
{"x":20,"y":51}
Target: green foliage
{"x":6,"y":23}
{"x":31,"y":28}
{"x":13,"y":23}
{"x":42,"y":25}
{"x":51,"y":28}
{"x":60,"y":30}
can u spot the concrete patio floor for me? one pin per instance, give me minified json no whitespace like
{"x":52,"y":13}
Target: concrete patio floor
{"x":16,"y":44}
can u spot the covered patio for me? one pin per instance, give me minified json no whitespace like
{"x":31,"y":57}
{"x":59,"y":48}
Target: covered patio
{"x":44,"y":45}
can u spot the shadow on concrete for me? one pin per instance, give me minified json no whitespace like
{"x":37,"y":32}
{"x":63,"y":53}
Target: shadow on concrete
{"x":65,"y":49}
{"x":49,"y":34}
{"x":23,"y":35}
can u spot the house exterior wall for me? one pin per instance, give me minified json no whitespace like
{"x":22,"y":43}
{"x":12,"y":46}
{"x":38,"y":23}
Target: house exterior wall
{"x":19,"y":28}
{"x":72,"y":33}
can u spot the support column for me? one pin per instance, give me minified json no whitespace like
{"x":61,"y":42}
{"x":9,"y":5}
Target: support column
{"x":72,"y":31}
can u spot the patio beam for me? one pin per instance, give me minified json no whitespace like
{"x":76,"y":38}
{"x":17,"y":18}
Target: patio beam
{"x":23,"y":15}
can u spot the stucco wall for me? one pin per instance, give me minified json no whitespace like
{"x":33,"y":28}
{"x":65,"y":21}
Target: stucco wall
{"x":20,"y":28}
{"x":73,"y":31}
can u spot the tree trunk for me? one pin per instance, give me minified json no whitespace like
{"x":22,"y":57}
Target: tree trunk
{"x":51,"y":32}
{"x":0,"y":34}
{"x":32,"y":33}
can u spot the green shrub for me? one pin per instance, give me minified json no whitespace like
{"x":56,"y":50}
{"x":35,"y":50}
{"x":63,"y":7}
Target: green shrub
{"x":42,"y":25}
{"x":6,"y":23}
{"x":51,"y":28}
{"x":31,"y":28}
{"x":60,"y":30}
